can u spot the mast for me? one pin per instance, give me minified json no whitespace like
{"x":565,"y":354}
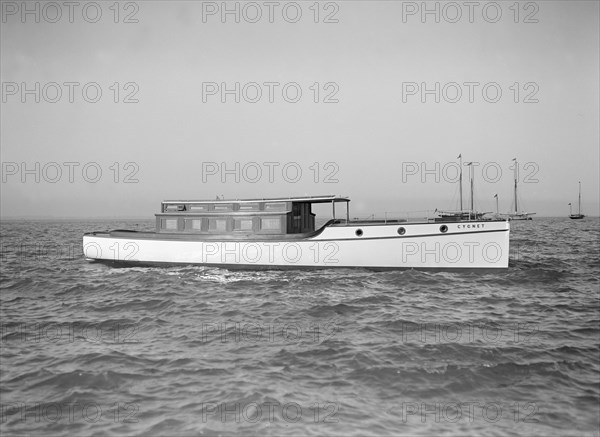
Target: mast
{"x":579,"y":209}
{"x":460,"y":182}
{"x":516,"y":179}
{"x":496,"y":196}
{"x":570,"y":209}
{"x":472,"y":183}
{"x":470,"y":164}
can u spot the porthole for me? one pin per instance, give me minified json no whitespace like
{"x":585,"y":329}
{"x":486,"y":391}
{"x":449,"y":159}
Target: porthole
{"x":401,"y":231}
{"x":359,"y":232}
{"x":443,"y":228}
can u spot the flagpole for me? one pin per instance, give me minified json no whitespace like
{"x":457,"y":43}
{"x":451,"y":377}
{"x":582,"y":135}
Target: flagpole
{"x":460,"y":182}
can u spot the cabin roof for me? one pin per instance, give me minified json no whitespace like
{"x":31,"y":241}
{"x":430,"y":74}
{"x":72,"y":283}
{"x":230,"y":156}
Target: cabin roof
{"x":304,"y":199}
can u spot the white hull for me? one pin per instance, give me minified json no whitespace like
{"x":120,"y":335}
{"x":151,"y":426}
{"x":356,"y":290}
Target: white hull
{"x":466,"y":245}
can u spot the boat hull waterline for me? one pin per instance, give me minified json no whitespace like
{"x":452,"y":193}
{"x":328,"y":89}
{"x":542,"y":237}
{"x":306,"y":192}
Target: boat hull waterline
{"x":460,"y":245}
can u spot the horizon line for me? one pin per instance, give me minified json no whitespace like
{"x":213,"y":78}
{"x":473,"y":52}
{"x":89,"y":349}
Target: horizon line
{"x":10,"y":218}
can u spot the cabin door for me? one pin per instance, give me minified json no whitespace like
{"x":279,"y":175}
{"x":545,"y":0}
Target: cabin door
{"x":296,"y":218}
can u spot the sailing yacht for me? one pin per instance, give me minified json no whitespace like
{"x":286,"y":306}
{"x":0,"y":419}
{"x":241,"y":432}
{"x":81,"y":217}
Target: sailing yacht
{"x":579,"y":215}
{"x":516,"y":215}
{"x":462,"y":214}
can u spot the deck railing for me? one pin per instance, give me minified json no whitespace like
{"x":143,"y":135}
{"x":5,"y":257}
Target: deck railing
{"x":386,"y":217}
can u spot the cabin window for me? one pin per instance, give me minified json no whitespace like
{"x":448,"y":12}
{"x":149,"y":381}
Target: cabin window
{"x":270,"y":224}
{"x":195,"y":224}
{"x":275,"y":206}
{"x":169,"y":224}
{"x":198,"y":208}
{"x":249,"y":207}
{"x":223,"y":207}
{"x":217,"y":225}
{"x":173,"y":208}
{"x":242,"y":224}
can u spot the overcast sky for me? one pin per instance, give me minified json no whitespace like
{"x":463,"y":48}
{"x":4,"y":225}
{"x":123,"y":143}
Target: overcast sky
{"x":371,"y":131}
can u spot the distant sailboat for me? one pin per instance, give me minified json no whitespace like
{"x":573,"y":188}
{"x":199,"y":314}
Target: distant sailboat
{"x":461,"y":214}
{"x":516,"y":215}
{"x":579,"y":215}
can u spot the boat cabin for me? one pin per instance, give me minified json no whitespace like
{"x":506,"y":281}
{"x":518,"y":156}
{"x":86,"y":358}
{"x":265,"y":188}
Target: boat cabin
{"x":291,"y":215}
